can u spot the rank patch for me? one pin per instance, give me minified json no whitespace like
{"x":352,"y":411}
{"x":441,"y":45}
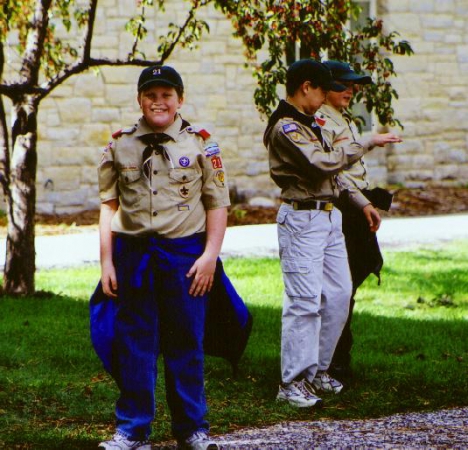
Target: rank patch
{"x":184,"y":161}
{"x":289,"y":127}
{"x":183,"y":207}
{"x":216,"y":162}
{"x":183,"y":192}
{"x":212,"y":149}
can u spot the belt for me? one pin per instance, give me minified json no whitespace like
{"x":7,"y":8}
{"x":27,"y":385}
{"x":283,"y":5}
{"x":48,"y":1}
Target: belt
{"x":310,"y":204}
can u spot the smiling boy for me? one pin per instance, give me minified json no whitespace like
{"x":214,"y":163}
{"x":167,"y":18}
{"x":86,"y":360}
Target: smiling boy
{"x":163,"y":216}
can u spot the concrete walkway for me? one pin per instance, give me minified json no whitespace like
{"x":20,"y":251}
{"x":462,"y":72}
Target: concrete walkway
{"x":256,"y":240}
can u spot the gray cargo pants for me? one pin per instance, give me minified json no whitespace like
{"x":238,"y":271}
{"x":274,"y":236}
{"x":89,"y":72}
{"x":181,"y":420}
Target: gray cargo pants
{"x":318,"y":288}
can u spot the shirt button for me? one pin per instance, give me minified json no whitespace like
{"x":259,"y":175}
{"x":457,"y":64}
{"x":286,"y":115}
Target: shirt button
{"x":155,"y":172}
{"x":155,"y":192}
{"x":155,"y":213}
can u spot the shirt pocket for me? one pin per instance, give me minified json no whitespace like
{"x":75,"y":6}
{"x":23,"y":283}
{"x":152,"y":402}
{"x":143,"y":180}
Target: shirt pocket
{"x":130,"y":185}
{"x":185,"y":183}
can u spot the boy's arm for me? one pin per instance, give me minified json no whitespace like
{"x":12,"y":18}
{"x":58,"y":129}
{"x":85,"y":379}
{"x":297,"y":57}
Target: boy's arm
{"x":108,"y":276}
{"x":204,"y":268}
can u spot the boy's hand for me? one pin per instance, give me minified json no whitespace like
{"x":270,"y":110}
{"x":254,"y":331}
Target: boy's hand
{"x":372,"y":217}
{"x":109,"y":280}
{"x":386,"y":138}
{"x":202,"y":272}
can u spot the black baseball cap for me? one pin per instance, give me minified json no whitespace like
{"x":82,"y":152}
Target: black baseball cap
{"x":152,"y":76}
{"x":314,"y":71}
{"x":342,"y":71}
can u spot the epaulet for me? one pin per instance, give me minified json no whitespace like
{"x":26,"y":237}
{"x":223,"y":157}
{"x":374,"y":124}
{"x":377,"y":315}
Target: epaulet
{"x":128,"y":130}
{"x":200,"y":131}
{"x":320,"y":120}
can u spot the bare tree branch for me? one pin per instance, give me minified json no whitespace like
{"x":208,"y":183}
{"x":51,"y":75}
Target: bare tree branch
{"x":195,"y":6}
{"x":33,"y":52}
{"x":4,"y":141}
{"x":88,"y":35}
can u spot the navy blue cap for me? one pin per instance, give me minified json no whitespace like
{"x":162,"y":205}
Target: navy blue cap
{"x":157,"y":75}
{"x":314,"y":71}
{"x":342,"y":71}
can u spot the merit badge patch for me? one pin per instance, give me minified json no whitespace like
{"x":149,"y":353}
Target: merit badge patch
{"x":216,"y":162}
{"x":289,"y":127}
{"x":184,"y":161}
{"x":183,"y":207}
{"x":212,"y":149}
{"x":295,"y":137}
{"x":219,"y":178}
{"x":183,"y":192}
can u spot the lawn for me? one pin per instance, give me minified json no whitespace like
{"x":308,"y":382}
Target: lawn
{"x":410,"y":353}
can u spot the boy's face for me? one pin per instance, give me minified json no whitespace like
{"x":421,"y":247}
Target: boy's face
{"x":313,"y":96}
{"x":159,"y":105}
{"x":341,"y":100}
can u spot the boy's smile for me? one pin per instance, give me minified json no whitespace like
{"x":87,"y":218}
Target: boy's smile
{"x":159,"y":105}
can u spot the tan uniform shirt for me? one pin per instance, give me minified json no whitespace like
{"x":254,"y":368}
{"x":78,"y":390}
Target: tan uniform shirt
{"x":338,"y":130}
{"x":300,"y":165}
{"x":171,"y":190}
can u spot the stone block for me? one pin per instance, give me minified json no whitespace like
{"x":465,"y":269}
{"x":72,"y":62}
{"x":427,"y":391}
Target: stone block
{"x":122,"y":94}
{"x":105,"y":114}
{"x":89,"y":85}
{"x":95,"y":135}
{"x":255,"y":168}
{"x":446,"y":172}
{"x":443,"y":21}
{"x":74,"y":110}
{"x":65,"y":135}
{"x":59,"y":179}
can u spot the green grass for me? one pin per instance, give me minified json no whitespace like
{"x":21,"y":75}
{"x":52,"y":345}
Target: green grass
{"x":410,"y":353}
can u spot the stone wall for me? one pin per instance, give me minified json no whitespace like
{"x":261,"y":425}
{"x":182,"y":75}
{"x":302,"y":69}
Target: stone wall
{"x":432,"y":85}
{"x":76,"y":121}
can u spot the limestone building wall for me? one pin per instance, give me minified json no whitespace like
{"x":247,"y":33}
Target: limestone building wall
{"x":433,"y":92}
{"x":77,"y":120}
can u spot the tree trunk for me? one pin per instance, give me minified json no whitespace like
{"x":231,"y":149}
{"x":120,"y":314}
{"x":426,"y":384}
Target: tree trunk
{"x":20,"y":262}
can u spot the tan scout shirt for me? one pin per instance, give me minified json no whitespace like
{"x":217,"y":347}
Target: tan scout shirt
{"x":171,"y":190}
{"x":299,"y":164}
{"x":337,"y":130}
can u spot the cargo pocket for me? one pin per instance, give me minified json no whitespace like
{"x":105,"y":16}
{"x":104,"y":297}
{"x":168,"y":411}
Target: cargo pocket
{"x":298,"y":277}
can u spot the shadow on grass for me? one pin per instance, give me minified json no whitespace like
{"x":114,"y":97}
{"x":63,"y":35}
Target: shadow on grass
{"x":54,"y":393}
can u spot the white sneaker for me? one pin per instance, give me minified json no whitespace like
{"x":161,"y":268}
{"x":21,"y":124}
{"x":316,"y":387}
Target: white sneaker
{"x":198,"y":441}
{"x":298,"y":393}
{"x":324,"y":382}
{"x":120,"y":442}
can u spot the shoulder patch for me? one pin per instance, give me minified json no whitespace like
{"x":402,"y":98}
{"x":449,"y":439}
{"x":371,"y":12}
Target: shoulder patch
{"x":212,"y":149}
{"x":290,"y":127}
{"x":200,"y":131}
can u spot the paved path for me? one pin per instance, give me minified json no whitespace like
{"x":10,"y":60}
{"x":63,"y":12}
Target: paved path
{"x":256,"y":240}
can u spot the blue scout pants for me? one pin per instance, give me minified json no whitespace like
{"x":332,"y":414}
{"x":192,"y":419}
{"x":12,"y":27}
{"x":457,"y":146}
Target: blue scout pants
{"x":317,"y":289}
{"x":156,"y":314}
